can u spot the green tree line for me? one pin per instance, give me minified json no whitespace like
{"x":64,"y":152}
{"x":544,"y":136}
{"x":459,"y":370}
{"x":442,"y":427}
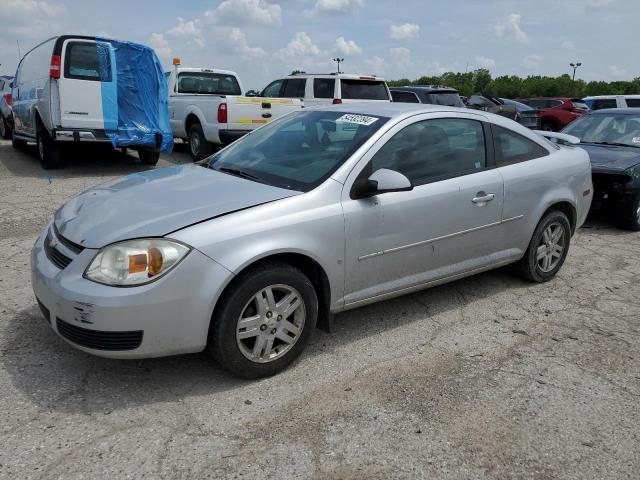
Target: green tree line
{"x":513,"y":86}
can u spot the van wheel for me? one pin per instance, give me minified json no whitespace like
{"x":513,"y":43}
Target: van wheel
{"x":628,"y":214}
{"x":548,"y":248}
{"x":198,"y":145}
{"x":48,"y":150}
{"x":148,"y":157}
{"x":5,"y":130}
{"x":264,"y":320}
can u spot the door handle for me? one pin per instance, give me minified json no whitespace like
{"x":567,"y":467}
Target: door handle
{"x":482,"y":198}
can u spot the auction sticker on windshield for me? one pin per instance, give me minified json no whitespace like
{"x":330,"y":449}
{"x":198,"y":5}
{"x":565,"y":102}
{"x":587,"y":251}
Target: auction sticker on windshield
{"x":357,"y":119}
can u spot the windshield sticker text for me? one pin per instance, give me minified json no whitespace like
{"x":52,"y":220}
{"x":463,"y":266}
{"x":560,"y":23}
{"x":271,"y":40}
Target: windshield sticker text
{"x":357,"y":119}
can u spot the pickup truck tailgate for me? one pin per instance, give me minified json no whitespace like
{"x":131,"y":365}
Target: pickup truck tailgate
{"x":248,"y":113}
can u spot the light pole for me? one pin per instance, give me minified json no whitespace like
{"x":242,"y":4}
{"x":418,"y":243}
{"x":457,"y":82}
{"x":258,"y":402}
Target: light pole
{"x":338,"y":61}
{"x":575,"y":67}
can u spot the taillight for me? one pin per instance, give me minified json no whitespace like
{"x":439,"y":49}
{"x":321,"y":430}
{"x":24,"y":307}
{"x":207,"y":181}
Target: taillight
{"x":337,"y":101}
{"x":7,"y":98}
{"x":54,"y":68}
{"x":222,"y":113}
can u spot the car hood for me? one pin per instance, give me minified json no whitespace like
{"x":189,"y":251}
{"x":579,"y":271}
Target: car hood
{"x":157,"y":202}
{"x":611,"y":157}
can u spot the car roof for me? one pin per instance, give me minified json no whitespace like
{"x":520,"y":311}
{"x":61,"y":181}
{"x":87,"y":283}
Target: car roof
{"x":607,"y":97}
{"x":348,"y":76}
{"x":394,"y":110}
{"x":618,"y":111}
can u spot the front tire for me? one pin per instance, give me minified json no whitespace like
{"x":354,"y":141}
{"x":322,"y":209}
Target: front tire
{"x":548,"y":248}
{"x":48,"y":150}
{"x":549,"y":127}
{"x":628,"y":216}
{"x":16,"y":143}
{"x":264,"y":321}
{"x":5,"y":130}
{"x":199,"y":147}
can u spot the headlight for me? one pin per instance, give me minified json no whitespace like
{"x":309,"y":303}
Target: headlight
{"x":135,"y":262}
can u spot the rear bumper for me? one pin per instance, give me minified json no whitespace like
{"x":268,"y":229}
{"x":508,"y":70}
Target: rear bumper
{"x":228,"y":136}
{"x":79,"y":135}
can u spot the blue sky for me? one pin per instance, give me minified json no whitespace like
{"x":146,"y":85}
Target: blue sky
{"x":264,"y":39}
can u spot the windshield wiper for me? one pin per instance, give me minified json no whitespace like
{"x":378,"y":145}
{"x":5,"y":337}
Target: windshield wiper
{"x":238,"y":173}
{"x":614,"y":144}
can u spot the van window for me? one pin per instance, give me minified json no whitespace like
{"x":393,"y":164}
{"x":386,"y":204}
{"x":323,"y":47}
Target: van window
{"x":633,"y":102}
{"x":88,"y":61}
{"x":363,"y":90}
{"x":273,"y":89}
{"x":600,"y":103}
{"x":323,"y":87}
{"x":208,"y":83}
{"x":294,"y":88}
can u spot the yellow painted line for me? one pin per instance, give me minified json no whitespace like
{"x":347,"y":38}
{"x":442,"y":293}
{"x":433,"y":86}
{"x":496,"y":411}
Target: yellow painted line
{"x":249,"y":120}
{"x":273,"y":101}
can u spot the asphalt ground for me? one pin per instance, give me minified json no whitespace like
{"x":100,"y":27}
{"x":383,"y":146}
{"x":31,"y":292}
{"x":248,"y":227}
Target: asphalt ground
{"x":487,"y":377}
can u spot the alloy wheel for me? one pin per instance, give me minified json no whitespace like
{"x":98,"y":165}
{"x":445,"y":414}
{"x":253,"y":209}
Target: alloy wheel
{"x":551,"y":247}
{"x":195,"y":144}
{"x":270,"y":323}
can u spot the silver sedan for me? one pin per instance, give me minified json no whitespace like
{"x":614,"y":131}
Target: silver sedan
{"x":318,"y":212}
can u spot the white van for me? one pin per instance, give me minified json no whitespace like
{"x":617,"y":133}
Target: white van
{"x":323,"y":89}
{"x":66,"y":90}
{"x":599,"y":102}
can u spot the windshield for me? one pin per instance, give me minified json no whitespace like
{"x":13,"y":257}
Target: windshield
{"x":449,"y":99}
{"x":299,"y":151}
{"x":208,"y":83}
{"x":612,"y":128}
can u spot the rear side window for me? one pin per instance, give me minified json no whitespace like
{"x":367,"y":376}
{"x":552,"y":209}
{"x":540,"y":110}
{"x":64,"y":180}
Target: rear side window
{"x":511,"y":147}
{"x":208,"y":83}
{"x":88,"y":61}
{"x":294,"y":88}
{"x":600,"y":103}
{"x":633,"y":102}
{"x":323,"y":87}
{"x":433,"y":150}
{"x":404,"y":97}
{"x":444,"y":98}
{"x":363,"y":90}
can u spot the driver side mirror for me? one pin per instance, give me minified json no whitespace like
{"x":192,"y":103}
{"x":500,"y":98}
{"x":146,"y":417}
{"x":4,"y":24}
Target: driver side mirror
{"x":381,"y":181}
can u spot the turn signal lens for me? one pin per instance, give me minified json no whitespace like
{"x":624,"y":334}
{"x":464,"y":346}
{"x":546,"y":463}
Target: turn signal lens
{"x":135,"y":262}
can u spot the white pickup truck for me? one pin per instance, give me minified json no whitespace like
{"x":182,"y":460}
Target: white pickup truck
{"x":206,"y":108}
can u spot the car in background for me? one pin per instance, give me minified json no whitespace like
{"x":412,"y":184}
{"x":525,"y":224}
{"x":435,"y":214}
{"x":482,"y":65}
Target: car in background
{"x":207,"y":109}
{"x":525,"y":115}
{"x":6,"y":120}
{"x":556,"y":113}
{"x":431,"y":94}
{"x":612,"y":101}
{"x":612,"y":139}
{"x":490,"y":104}
{"x":75,"y":89}
{"x":323,"y":210}
{"x":327,"y":89}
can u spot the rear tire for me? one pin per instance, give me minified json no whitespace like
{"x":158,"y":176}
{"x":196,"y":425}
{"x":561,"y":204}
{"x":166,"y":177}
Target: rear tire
{"x":148,"y":157}
{"x":628,"y":214}
{"x":548,"y":248}
{"x":48,"y":150}
{"x":234,"y":345}
{"x":5,"y":129}
{"x":199,"y":147}
{"x":17,"y":144}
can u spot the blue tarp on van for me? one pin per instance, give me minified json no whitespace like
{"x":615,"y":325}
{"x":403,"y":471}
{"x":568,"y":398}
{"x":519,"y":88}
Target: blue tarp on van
{"x":135,"y":102}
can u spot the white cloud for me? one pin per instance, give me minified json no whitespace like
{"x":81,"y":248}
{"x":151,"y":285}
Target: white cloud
{"x":159,"y":43}
{"x":376,"y":64}
{"x":568,"y":45}
{"x":29,"y":18}
{"x":510,"y":28}
{"x":347,"y":47}
{"x":485,"y":62}
{"x":532,"y":61}
{"x":300,"y":46}
{"x":333,"y":6}
{"x":400,"y":56}
{"x":239,"y":39}
{"x":439,"y":69}
{"x":188,"y":30}
{"x":404,"y":32}
{"x":618,"y":72}
{"x":240,"y":12}
{"x":599,"y":3}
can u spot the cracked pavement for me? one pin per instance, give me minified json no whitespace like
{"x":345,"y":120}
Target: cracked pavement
{"x":487,"y":377}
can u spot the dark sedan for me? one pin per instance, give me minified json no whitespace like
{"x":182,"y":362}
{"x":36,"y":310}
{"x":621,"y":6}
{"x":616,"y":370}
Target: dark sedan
{"x":612,"y":139}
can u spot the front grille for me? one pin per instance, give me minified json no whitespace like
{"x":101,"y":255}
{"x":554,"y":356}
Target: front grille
{"x":99,"y":340}
{"x":58,"y":258}
{"x":73,"y":247}
{"x":44,"y":310}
